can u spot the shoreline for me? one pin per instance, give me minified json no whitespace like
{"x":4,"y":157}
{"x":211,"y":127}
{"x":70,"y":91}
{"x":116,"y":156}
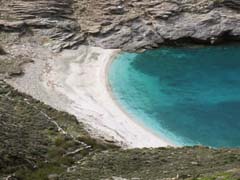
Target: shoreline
{"x":109,"y":89}
{"x":76,"y":81}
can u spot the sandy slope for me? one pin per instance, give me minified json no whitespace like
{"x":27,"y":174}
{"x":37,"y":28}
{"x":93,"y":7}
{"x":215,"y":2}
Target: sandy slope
{"x":75,"y":81}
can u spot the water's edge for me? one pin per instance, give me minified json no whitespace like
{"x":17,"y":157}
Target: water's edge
{"x":124,"y":110}
{"x":221,"y":69}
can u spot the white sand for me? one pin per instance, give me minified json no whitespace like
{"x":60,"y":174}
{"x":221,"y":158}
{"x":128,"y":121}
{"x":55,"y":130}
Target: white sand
{"x":75,"y":81}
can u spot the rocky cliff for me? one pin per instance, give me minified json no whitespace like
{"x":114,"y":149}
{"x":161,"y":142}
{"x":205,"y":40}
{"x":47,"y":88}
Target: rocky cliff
{"x":140,"y":24}
{"x":126,"y":24}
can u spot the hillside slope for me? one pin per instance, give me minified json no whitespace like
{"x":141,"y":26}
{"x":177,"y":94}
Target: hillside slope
{"x":38,"y":142}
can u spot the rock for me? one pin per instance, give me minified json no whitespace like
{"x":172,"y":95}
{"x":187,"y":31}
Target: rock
{"x":139,"y":25}
{"x":118,"y":178}
{"x":235,"y":173}
{"x":116,"y":40}
{"x":2,"y":52}
{"x":194,"y":163}
{"x":117,"y":10}
{"x":53,"y":177}
{"x":133,"y":25}
{"x":12,"y":26}
{"x":233,"y":4}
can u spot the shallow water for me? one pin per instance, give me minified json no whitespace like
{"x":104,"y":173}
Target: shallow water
{"x":187,"y":95}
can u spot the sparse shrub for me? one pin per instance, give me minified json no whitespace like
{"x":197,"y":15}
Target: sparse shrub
{"x":59,"y":141}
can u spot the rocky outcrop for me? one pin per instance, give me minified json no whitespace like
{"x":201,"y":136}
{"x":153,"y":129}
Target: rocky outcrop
{"x":233,"y":4}
{"x":11,"y":62}
{"x":129,"y":25}
{"x":43,"y":18}
{"x":2,"y":52}
{"x":148,"y":24}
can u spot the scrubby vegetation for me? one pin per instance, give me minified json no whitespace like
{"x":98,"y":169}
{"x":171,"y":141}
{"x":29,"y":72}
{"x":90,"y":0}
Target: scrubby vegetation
{"x":38,"y":142}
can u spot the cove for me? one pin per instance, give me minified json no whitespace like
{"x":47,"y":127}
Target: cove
{"x":190,"y":96}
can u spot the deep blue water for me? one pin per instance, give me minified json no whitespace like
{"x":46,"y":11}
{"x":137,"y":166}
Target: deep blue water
{"x":189,"y":96}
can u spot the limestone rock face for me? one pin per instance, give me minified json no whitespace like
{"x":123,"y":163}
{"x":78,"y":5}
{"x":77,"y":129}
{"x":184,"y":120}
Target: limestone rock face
{"x":49,"y":18}
{"x":130,"y":25}
{"x":234,"y":4}
{"x":148,"y":24}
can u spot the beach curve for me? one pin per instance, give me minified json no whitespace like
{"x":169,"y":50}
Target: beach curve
{"x":76,"y":81}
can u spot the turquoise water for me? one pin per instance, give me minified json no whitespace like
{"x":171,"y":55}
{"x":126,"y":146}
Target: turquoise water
{"x":190,"y":96}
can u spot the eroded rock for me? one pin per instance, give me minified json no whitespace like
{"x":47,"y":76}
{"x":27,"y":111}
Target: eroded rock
{"x":129,"y":25}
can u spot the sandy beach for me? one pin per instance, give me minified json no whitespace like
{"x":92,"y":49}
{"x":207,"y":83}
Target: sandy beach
{"x":76,"y":81}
